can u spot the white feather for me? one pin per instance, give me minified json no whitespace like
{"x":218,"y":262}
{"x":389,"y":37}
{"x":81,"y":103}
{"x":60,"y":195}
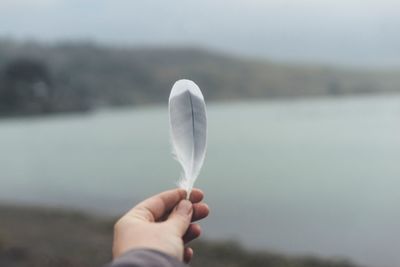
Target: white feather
{"x":188,"y":128}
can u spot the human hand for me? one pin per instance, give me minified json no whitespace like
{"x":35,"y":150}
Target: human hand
{"x":163,"y":223}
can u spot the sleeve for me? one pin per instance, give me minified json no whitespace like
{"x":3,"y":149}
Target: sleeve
{"x":145,"y":258}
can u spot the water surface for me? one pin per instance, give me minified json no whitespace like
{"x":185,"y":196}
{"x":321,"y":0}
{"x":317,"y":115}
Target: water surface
{"x":309,"y":176}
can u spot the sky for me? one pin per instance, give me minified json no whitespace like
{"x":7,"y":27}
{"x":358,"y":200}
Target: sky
{"x":345,"y":32}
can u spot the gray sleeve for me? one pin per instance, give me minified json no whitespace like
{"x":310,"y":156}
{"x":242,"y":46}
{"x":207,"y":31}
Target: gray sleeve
{"x":145,"y":258}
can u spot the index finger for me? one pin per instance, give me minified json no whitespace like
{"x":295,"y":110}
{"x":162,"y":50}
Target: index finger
{"x":196,"y":195}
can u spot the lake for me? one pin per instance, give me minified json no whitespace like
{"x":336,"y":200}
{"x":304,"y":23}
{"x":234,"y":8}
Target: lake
{"x":314,"y":176}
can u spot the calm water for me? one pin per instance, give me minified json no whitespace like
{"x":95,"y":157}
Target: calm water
{"x":307,"y":176}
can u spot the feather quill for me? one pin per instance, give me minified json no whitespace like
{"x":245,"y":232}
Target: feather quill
{"x":188,"y":130}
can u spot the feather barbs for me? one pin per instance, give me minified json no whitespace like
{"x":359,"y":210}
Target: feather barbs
{"x":188,"y":129}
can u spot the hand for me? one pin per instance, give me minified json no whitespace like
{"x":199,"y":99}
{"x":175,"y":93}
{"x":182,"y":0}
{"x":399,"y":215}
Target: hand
{"x":163,"y":223}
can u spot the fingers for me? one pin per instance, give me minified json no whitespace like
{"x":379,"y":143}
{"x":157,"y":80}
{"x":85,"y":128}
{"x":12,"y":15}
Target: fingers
{"x":200,"y":211}
{"x":155,"y":207}
{"x":159,"y":206}
{"x":180,"y":218}
{"x":193,"y":232}
{"x":187,"y":255}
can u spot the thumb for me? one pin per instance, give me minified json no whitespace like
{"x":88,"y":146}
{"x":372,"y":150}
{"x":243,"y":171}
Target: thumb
{"x":180,"y":218}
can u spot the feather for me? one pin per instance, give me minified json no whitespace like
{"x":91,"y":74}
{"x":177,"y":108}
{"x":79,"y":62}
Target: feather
{"x":188,"y":129}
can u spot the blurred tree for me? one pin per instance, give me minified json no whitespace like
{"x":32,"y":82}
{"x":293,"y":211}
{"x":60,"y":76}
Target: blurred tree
{"x":26,"y":87}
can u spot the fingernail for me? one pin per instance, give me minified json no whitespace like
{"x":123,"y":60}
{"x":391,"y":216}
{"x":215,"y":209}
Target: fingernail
{"x":185,"y":207}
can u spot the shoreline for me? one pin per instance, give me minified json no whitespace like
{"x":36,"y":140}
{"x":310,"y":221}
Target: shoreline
{"x":45,"y":236}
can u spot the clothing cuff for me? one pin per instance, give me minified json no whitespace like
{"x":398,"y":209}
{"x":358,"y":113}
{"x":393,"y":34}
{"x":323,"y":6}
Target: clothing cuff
{"x":145,"y":258}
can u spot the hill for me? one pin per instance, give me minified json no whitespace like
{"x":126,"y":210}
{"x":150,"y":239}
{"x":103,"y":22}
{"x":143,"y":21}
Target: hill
{"x":41,"y":78}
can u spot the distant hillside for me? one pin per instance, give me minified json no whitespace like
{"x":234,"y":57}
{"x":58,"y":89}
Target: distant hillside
{"x":43,"y":237}
{"x":83,"y":76}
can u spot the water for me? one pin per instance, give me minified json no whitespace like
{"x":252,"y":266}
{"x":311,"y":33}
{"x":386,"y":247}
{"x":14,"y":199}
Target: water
{"x":307,"y":176}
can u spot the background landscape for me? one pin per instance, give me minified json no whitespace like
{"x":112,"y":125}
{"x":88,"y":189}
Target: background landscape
{"x":303,"y":105}
{"x":84,"y":76}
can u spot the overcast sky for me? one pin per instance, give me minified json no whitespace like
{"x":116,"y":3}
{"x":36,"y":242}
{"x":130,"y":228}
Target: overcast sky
{"x":355,"y":32}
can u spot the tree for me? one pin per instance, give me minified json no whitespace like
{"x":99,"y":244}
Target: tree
{"x":26,"y":87}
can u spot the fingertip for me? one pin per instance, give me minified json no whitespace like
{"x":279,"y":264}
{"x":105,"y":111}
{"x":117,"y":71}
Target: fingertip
{"x":193,"y":232}
{"x":200,"y":211}
{"x":188,"y":255}
{"x":182,"y":193}
{"x":205,"y":207}
{"x":196,"y":195}
{"x":198,"y":190}
{"x":196,"y":228}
